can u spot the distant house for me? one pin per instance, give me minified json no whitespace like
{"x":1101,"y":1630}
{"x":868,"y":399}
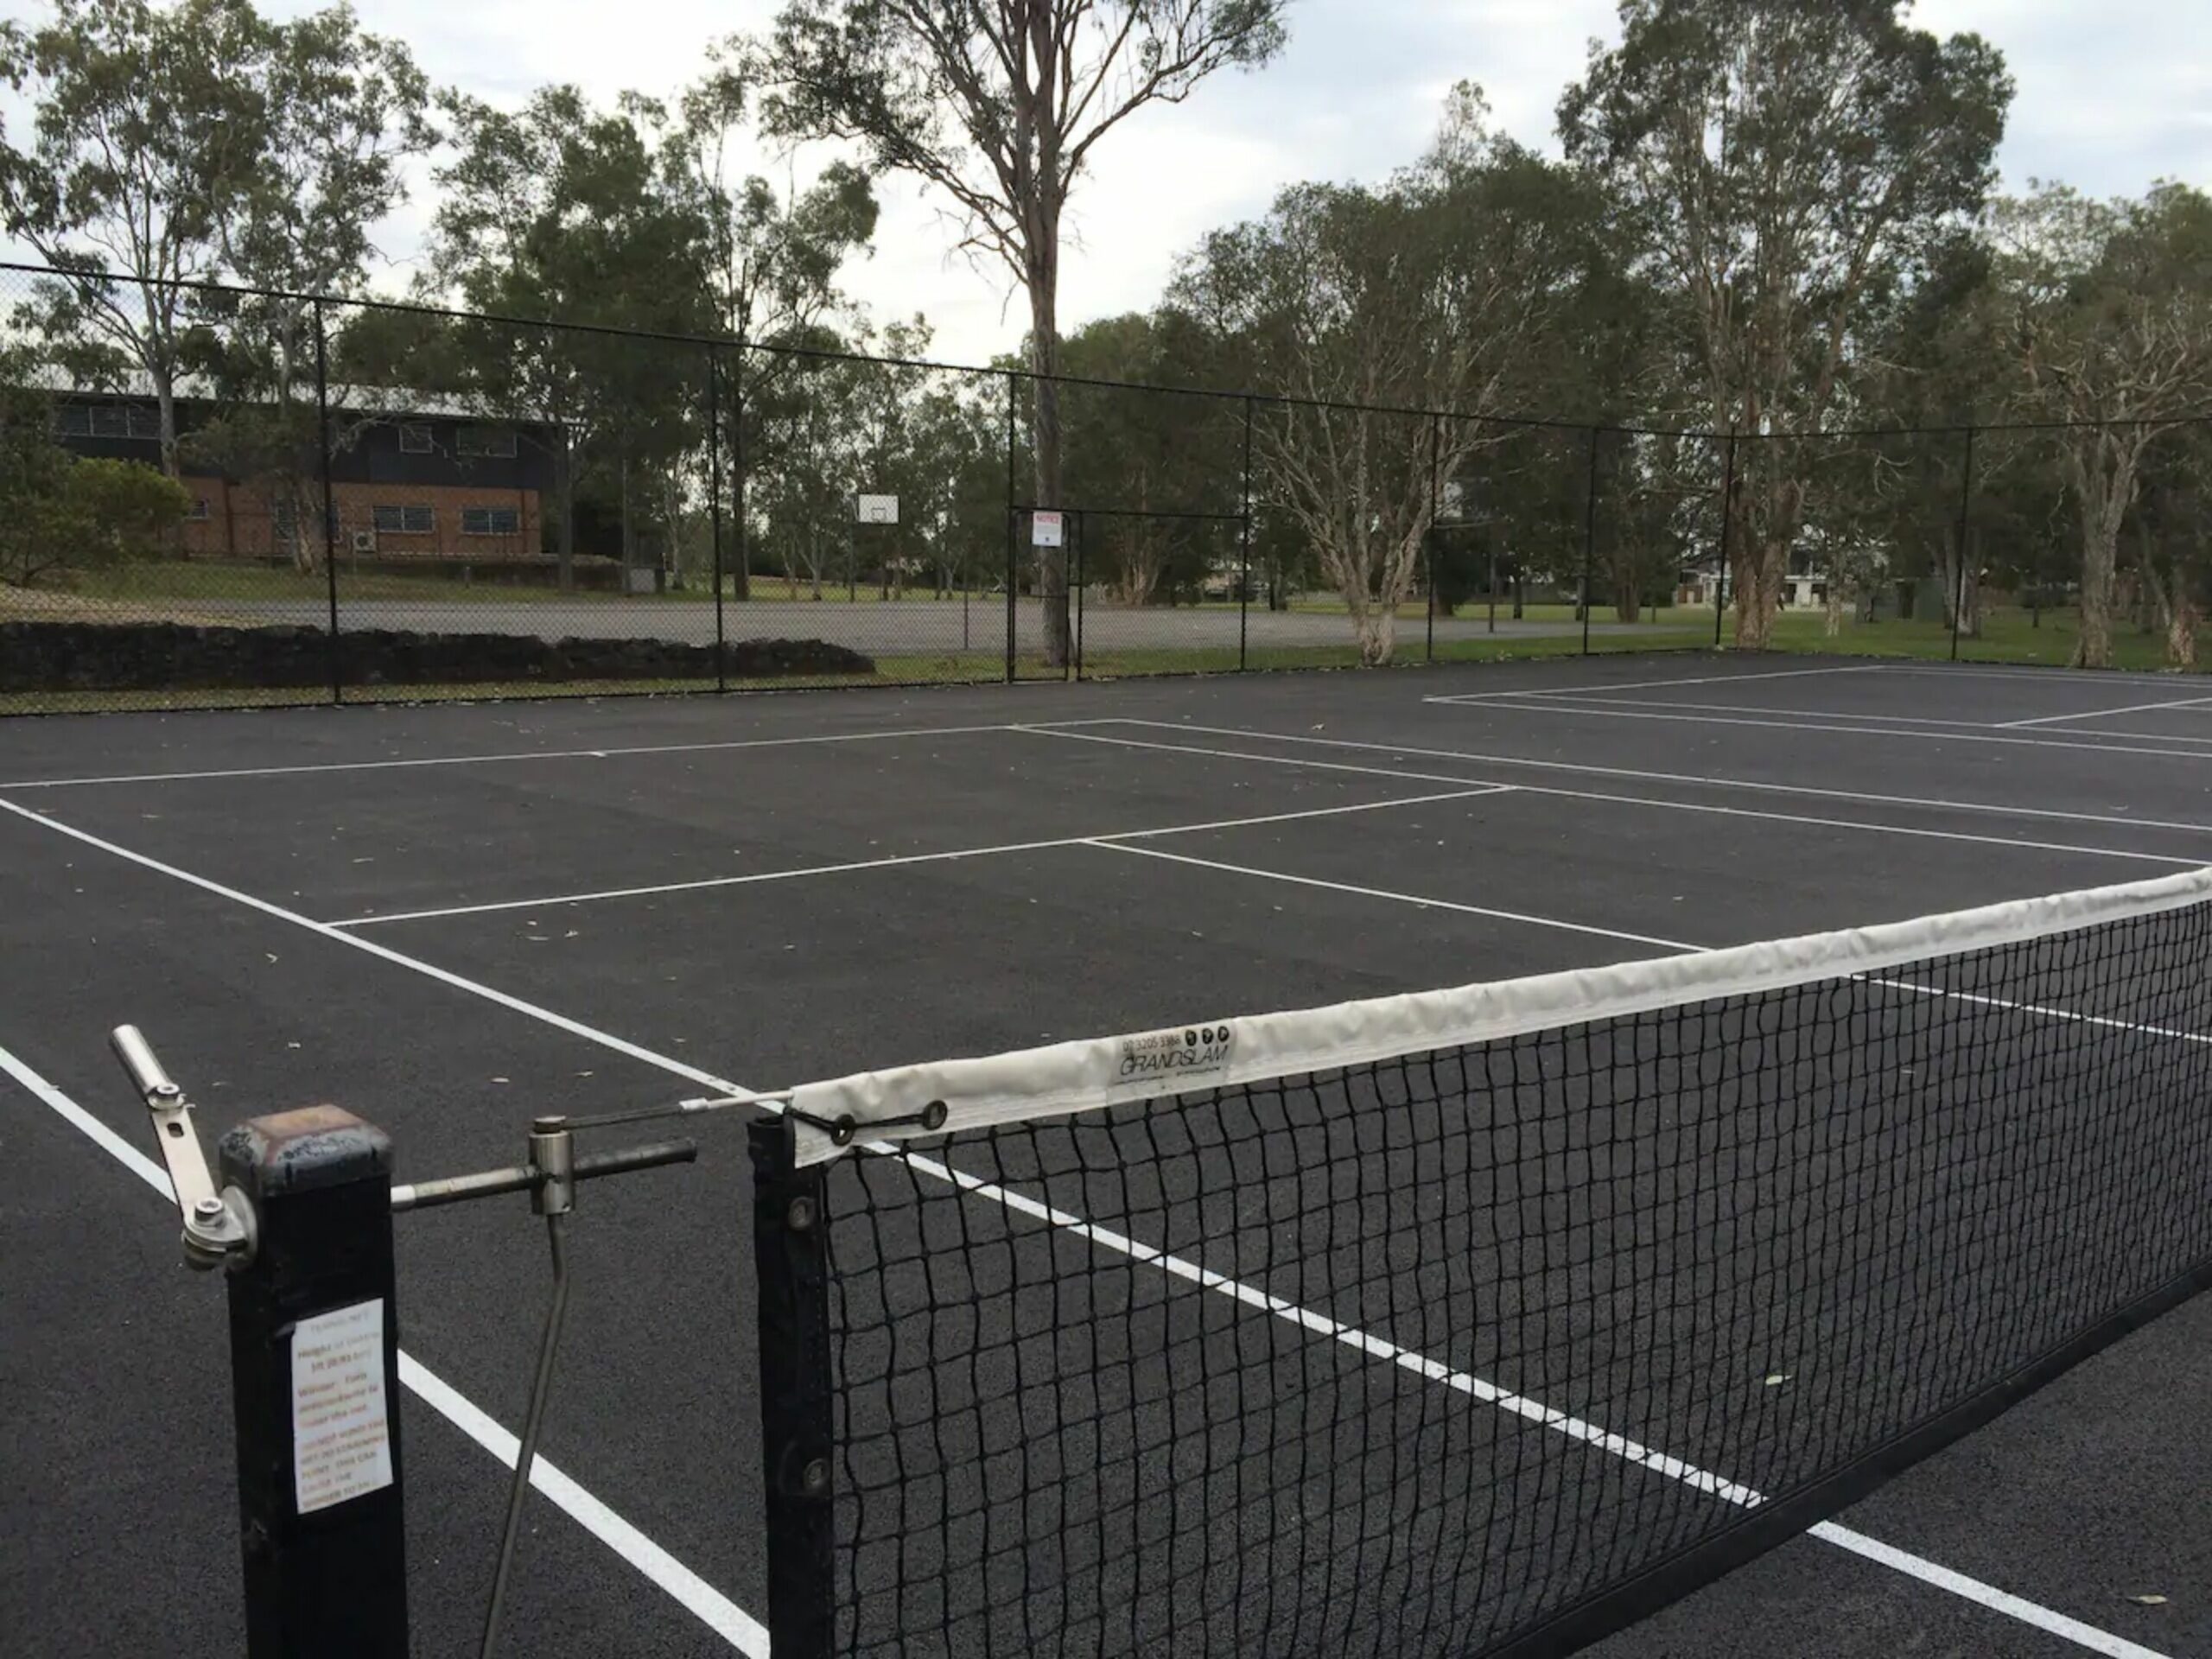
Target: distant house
{"x":417,"y":479}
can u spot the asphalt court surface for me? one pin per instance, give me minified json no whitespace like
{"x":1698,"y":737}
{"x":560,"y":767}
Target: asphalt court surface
{"x":991,"y":868}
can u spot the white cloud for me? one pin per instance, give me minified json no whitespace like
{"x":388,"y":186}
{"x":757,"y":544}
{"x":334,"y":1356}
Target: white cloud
{"x":2111,"y":96}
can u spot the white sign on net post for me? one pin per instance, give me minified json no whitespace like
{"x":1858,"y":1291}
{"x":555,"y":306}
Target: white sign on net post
{"x":342,"y":1428}
{"x":1047,"y":528}
{"x":876,"y":509}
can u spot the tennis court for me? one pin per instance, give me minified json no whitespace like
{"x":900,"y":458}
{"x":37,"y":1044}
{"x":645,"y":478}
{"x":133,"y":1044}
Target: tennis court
{"x":450,"y":920}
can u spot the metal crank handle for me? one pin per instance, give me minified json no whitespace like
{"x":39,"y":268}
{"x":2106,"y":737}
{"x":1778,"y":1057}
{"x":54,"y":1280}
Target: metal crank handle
{"x":218,"y":1227}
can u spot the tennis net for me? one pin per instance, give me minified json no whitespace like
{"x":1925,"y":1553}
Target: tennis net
{"x":1478,"y":1321}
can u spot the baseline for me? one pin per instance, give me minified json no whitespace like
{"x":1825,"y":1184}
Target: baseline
{"x":1584,"y":768}
{"x":603,"y":754}
{"x":1592,"y":708}
{"x":1663,"y":805}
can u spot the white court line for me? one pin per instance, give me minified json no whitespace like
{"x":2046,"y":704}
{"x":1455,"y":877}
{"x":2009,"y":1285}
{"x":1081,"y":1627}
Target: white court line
{"x":1399,"y":898}
{"x":2131,"y":709}
{"x":398,"y":958}
{"x":2042,"y":1011}
{"x":1590,"y":709}
{"x":953,"y":855}
{"x":495,"y":760}
{"x":717,"y":1611}
{"x":1587,"y":1434}
{"x":1597,"y":699}
{"x":1983,"y":670}
{"x":1662,"y":805}
{"x":1998,"y":1600}
{"x":2198,"y":826}
{"x":1638,"y":685}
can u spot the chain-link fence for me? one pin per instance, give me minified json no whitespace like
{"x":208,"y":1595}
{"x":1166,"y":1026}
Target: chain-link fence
{"x":216,"y":497}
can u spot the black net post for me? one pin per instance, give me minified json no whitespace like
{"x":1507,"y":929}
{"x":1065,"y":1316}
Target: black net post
{"x":1727,"y":523}
{"x":314,"y":1369}
{"x":1966,"y":513}
{"x":790,"y":1259}
{"x":1244,"y":544}
{"x":715,"y":508}
{"x":1011,"y":553}
{"x":1589,"y":537}
{"x":330,"y":503}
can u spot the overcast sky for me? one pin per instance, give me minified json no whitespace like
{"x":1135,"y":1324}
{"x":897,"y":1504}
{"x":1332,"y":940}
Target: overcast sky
{"x":2112,"y":93}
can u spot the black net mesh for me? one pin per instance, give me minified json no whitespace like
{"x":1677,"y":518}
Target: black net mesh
{"x":1416,"y":1358}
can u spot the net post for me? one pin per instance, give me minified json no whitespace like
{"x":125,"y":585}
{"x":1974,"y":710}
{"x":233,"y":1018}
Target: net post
{"x":790,"y":1257}
{"x":317,"y":1183}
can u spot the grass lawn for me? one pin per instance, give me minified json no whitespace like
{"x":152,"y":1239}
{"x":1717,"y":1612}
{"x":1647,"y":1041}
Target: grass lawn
{"x":210,"y":580}
{"x":2007,"y":635}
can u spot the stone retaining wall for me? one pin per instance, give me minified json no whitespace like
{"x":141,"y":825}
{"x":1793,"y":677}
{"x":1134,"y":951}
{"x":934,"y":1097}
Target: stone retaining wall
{"x":162,"y":656}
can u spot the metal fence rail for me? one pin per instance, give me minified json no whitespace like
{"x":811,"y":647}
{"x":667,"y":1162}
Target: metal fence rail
{"x":314,"y":499}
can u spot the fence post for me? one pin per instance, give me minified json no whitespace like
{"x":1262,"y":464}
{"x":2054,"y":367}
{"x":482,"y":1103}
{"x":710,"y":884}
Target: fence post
{"x":742,"y":576}
{"x":311,"y":1313}
{"x":1076,"y":525}
{"x":1435,"y":513}
{"x":715,"y":505}
{"x":1727,"y":523}
{"x":1011,"y":574}
{"x":1589,"y":537}
{"x":1966,"y":510}
{"x":329,"y":505}
{"x":1244,"y":546}
{"x":789,"y":1221}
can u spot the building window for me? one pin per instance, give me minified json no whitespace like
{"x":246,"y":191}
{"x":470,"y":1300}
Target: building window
{"x":490,"y":521}
{"x":199,"y":513}
{"x":497,"y":442}
{"x":107,"y":420}
{"x":414,"y":438}
{"x":403,"y":520}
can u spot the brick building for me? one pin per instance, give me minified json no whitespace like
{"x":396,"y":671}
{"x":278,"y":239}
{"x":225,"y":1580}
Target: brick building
{"x":413,"y":484}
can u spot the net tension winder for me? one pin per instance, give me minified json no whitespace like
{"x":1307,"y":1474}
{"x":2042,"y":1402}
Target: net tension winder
{"x":300,"y":1226}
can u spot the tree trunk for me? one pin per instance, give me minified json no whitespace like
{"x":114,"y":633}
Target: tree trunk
{"x":2180,"y":622}
{"x":1627,"y":601}
{"x":2100,"y":554}
{"x":1377,"y":629}
{"x":1044,"y":358}
{"x":1758,"y":594}
{"x":165,"y":416}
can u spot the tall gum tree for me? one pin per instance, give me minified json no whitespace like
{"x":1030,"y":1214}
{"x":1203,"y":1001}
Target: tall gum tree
{"x":999,"y":105}
{"x":1782,"y":159}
